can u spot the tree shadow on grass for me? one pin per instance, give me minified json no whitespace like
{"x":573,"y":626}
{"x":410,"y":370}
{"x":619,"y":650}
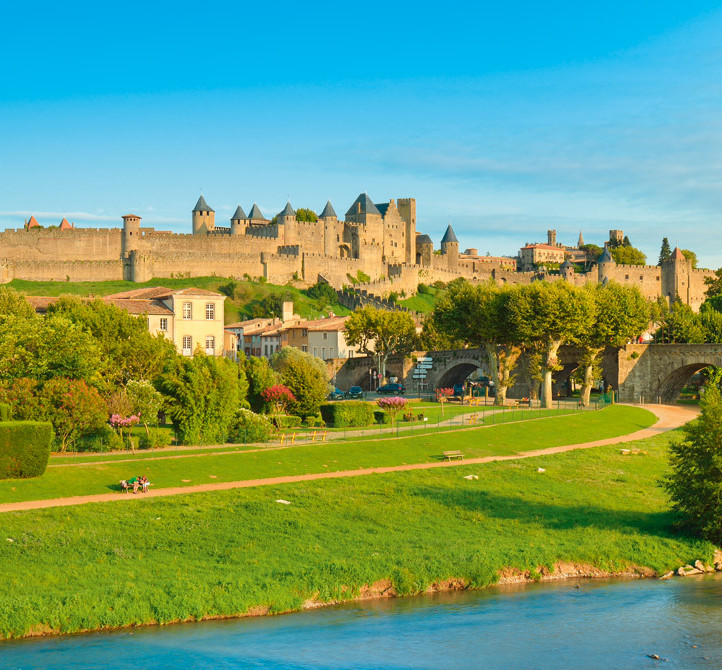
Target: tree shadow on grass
{"x":557,"y":517}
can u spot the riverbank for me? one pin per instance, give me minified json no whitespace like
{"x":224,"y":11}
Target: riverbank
{"x":244,"y":552}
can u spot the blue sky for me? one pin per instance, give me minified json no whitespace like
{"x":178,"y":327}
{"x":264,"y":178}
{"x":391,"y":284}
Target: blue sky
{"x":505,"y":120}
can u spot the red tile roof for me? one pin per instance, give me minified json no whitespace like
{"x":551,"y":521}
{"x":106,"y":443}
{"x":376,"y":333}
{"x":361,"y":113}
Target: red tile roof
{"x":64,"y":225}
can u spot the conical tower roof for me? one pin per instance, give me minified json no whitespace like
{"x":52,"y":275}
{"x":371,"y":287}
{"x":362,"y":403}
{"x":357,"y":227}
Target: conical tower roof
{"x":287,"y":210}
{"x":202,"y":206}
{"x":238,"y":214}
{"x":580,"y":243}
{"x":606,"y":257}
{"x":449,"y":235}
{"x":256,"y":213}
{"x":64,"y":225}
{"x":367,"y":206}
{"x":32,"y":223}
{"x":677,"y":255}
{"x":328,"y":211}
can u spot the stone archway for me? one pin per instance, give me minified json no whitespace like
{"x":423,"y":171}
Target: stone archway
{"x":456,"y":374}
{"x":669,"y":388}
{"x":344,"y":251}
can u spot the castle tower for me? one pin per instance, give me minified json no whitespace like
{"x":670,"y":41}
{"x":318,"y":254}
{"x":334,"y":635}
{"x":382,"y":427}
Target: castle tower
{"x":407,"y":211}
{"x":552,"y":238}
{"x":676,"y":273}
{"x":364,"y":212}
{"x":566,"y":270}
{"x":287,"y":218}
{"x":204,"y":218}
{"x":131,"y":234}
{"x":450,"y":248}
{"x":331,"y":241}
{"x":616,"y":237}
{"x":239,"y":222}
{"x":605,"y":267}
{"x":424,"y":250}
{"x":256,"y":215}
{"x":580,"y":242}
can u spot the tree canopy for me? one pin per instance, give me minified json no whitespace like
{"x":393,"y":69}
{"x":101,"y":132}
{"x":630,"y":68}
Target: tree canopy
{"x":665,"y":253}
{"x":628,"y":255}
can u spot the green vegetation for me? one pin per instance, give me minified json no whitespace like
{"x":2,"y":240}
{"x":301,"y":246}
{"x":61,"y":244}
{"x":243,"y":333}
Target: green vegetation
{"x":421,"y":302}
{"x":508,"y":438}
{"x":245,"y":297}
{"x":224,"y":553}
{"x":347,"y":414}
{"x":24,"y":448}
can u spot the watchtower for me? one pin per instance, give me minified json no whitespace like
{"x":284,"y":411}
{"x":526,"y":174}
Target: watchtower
{"x":204,"y":217}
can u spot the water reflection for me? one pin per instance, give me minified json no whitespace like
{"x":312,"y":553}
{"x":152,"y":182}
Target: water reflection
{"x":601,"y":624}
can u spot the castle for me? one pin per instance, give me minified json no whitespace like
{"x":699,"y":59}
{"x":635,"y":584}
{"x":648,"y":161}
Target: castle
{"x":375,"y":244}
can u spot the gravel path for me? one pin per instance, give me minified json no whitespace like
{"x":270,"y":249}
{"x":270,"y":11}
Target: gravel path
{"x":669,"y":418}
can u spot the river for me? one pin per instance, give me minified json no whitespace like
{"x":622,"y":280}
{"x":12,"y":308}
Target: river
{"x":601,"y":624}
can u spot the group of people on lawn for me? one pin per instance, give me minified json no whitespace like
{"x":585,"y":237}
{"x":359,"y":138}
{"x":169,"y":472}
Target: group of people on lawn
{"x":136,"y":483}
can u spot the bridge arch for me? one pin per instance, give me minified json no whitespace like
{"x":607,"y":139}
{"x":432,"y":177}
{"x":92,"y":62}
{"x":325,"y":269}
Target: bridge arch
{"x":669,"y":387}
{"x":456,"y":374}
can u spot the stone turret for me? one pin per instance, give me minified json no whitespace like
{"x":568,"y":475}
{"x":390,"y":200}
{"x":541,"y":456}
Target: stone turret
{"x":331,"y":236}
{"x":566,"y":270}
{"x":424,"y":250}
{"x":239,"y":222}
{"x":256,"y":216}
{"x":676,"y":277}
{"x":552,"y":238}
{"x":131,"y":234}
{"x":204,"y":217}
{"x":287,"y":218}
{"x":407,"y":211}
{"x":450,"y":248}
{"x":605,"y":267}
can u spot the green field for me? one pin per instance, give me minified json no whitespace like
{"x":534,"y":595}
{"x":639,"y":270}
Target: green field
{"x":176,"y":469}
{"x":247,"y":294}
{"x":185,"y":557}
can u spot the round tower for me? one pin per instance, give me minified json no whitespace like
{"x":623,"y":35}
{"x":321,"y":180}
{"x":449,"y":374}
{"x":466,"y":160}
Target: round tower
{"x":424,"y":250}
{"x":239,"y":222}
{"x":331,"y":243}
{"x":605,"y":267}
{"x":566,"y":270}
{"x":131,"y":234}
{"x":287,"y":218}
{"x":204,"y":218}
{"x":450,"y":248}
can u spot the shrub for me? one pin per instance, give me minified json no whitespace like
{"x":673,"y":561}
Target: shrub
{"x":5,"y":412}
{"x":154,"y":439}
{"x":314,"y":421}
{"x":392,"y":405}
{"x":249,"y":427}
{"x":439,"y":284}
{"x":381,"y":417}
{"x":423,"y":289}
{"x":285,"y":420}
{"x":100,"y":440}
{"x":24,"y":448}
{"x":347,"y":414}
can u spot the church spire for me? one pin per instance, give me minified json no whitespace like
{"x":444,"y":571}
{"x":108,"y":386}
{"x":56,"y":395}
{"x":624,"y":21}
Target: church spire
{"x":580,"y":243}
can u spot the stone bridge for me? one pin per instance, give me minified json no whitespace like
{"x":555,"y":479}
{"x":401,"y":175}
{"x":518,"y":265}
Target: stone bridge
{"x":647,"y":372}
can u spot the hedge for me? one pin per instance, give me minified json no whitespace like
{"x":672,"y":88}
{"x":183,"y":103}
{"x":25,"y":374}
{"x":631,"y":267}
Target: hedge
{"x":24,"y":448}
{"x":249,"y":427}
{"x":4,"y":411}
{"x":381,"y":417}
{"x":347,"y":414}
{"x":285,"y":420}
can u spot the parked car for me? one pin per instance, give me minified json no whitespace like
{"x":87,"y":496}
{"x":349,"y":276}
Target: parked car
{"x":355,"y":393}
{"x":459,"y":390}
{"x":337,"y":394}
{"x":391,"y":389}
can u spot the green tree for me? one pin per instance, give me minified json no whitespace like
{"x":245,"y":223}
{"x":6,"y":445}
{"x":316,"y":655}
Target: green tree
{"x":381,"y":333}
{"x":547,"y":315}
{"x":202,"y":395}
{"x":479,"y":316}
{"x":260,"y":377}
{"x":14,"y":304}
{"x":74,"y":408}
{"x":681,"y":325}
{"x":620,"y":313}
{"x":593,"y":252}
{"x":322,"y":292}
{"x":628,"y":255}
{"x":694,"y":486}
{"x":690,"y":256}
{"x":714,"y":284}
{"x":305,"y":214}
{"x":307,"y":378}
{"x":665,"y":253}
{"x":145,"y":401}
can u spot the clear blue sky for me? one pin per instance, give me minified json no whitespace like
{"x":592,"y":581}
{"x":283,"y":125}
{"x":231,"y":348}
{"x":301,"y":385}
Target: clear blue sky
{"x":508,"y":118}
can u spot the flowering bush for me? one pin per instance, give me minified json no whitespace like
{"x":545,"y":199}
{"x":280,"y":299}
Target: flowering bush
{"x":392,"y":405}
{"x":442,"y":395}
{"x":279,"y":396}
{"x":120,"y":422}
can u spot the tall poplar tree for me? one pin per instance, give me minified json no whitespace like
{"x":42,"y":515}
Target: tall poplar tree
{"x":665,"y":252}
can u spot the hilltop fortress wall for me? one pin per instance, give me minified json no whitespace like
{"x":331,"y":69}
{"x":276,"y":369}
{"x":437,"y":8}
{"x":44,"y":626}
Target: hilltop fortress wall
{"x":374,"y":241}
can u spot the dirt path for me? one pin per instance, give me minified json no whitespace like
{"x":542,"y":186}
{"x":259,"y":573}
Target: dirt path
{"x":669,"y":418}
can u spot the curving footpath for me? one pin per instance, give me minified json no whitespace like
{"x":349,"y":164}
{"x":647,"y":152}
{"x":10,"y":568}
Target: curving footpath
{"x":669,"y":417}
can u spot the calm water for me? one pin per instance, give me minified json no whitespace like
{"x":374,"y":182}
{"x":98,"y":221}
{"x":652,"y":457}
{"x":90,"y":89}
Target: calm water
{"x":610,"y":624}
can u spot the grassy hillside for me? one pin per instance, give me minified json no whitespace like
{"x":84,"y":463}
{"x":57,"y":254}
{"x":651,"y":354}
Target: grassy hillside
{"x":422,"y":302}
{"x":231,"y":552}
{"x":245,"y":300}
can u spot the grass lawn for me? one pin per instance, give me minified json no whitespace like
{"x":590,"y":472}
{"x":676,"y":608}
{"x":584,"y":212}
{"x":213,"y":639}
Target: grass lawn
{"x":102,"y":477}
{"x":224,"y":553}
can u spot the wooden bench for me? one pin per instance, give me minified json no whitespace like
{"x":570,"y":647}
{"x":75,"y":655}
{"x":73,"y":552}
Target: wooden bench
{"x":449,"y":455}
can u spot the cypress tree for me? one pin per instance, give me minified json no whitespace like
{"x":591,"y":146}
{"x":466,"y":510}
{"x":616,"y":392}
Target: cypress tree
{"x":665,"y":253}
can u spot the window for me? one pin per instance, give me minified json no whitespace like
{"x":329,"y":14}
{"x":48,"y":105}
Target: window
{"x":187,"y":311}
{"x":350,"y":353}
{"x":187,"y":345}
{"x":330,"y":352}
{"x":325,"y":336}
{"x":164,"y":324}
{"x":304,"y":348}
{"x":265,"y":350}
{"x":210,"y":311}
{"x":305,"y":332}
{"x":641,"y":277}
{"x":315,"y":351}
{"x":211,"y":345}
{"x":323,"y":353}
